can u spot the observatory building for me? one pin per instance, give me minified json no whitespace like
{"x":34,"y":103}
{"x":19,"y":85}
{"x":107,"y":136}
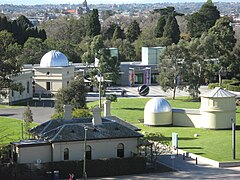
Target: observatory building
{"x":158,"y":112}
{"x":54,"y":73}
{"x":217,"y":111}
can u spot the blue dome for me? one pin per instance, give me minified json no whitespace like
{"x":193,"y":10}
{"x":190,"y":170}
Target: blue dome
{"x":54,"y":58}
{"x":157,"y":105}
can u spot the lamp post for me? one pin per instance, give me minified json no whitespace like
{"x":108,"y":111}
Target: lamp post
{"x":100,"y":84}
{"x":84,"y":156}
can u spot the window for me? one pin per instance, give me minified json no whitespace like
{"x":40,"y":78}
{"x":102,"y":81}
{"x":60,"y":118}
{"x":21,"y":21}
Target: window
{"x":66,"y":154}
{"x":88,"y":152}
{"x":67,"y":83}
{"x":48,"y":86}
{"x":120,"y":150}
{"x":12,"y":93}
{"x":48,"y":73}
{"x":28,"y":86}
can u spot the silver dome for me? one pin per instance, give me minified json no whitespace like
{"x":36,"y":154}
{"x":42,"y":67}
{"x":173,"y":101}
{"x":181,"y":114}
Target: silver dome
{"x":157,"y":105}
{"x":54,"y":58}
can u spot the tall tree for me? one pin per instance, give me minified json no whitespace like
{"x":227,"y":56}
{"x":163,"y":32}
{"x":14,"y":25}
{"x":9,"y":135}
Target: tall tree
{"x":171,"y":68}
{"x":133,"y":31}
{"x":171,"y":29}
{"x":203,"y":20}
{"x":160,"y":27}
{"x":94,"y":26}
{"x":9,"y":62}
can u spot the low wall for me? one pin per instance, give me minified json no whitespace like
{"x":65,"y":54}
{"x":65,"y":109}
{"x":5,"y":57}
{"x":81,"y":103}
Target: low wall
{"x":187,"y":117}
{"x":94,"y":168}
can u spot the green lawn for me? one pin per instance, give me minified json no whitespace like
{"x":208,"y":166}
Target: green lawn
{"x":214,"y":144}
{"x":10,"y":130}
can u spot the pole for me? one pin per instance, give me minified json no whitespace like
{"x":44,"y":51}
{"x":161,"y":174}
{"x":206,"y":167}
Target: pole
{"x":84,"y":155}
{"x":233,"y":140}
{"x":100,"y":90}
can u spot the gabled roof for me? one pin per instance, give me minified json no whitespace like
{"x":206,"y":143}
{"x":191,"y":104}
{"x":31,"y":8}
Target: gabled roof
{"x":73,"y":130}
{"x":218,"y":92}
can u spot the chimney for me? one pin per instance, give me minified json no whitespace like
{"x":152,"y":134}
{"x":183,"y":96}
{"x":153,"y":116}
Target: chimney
{"x":67,"y":112}
{"x":97,"y":119}
{"x":107,"y":104}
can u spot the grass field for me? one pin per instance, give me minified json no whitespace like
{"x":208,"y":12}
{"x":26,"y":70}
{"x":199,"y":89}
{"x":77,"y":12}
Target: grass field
{"x":10,"y":130}
{"x":214,"y":144}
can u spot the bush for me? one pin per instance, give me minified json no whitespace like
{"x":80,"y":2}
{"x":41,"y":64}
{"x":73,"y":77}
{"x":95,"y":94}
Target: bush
{"x":213,"y":85}
{"x":77,"y":113}
{"x":80,"y":113}
{"x":233,"y":88}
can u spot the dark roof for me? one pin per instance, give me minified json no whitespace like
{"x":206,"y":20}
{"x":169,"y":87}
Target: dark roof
{"x":73,"y":130}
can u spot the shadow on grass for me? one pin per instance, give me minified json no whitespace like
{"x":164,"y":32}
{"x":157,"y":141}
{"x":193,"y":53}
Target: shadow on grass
{"x":138,"y":109}
{"x":191,"y":147}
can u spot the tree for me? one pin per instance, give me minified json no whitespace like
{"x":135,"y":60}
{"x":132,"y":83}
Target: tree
{"x":9,"y":63}
{"x":94,"y":26}
{"x":74,"y":94}
{"x":133,"y":31}
{"x":32,"y":51}
{"x":224,"y":41}
{"x":203,"y":20}
{"x":160,"y":27}
{"x":171,"y":68}
{"x":28,"y":119}
{"x":171,"y":29}
{"x":118,"y":34}
{"x":108,"y":65}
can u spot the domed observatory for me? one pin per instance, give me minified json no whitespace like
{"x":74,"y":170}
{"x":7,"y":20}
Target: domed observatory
{"x":218,"y":109}
{"x":54,"y":59}
{"x":157,"y":112}
{"x":53,"y":73}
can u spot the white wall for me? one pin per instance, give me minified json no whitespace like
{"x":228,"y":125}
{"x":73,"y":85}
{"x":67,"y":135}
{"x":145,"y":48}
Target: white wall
{"x":100,"y":148}
{"x":24,"y":78}
{"x":31,"y":154}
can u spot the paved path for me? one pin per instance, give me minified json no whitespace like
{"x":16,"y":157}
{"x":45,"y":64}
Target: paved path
{"x":184,"y":169}
{"x":40,"y":114}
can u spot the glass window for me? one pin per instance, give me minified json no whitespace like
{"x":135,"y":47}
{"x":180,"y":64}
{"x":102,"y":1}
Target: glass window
{"x":120,"y":150}
{"x":88,"y":152}
{"x":48,"y":86}
{"x":66,"y":154}
{"x":28,"y":86}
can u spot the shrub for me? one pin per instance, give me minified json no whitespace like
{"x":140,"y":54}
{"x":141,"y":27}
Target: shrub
{"x":213,"y":85}
{"x":233,"y":88}
{"x":79,"y":113}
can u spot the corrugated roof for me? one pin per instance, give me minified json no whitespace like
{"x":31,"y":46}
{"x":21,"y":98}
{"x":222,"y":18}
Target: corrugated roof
{"x":218,"y":92}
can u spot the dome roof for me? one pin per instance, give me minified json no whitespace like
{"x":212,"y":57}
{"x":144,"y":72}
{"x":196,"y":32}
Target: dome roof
{"x":157,"y":105}
{"x":54,"y":58}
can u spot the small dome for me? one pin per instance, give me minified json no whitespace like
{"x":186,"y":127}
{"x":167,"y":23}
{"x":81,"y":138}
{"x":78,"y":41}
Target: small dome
{"x":157,"y":105}
{"x":54,"y":58}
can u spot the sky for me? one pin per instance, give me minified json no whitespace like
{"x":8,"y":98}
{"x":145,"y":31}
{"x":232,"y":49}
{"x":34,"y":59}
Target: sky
{"x":33,"y":2}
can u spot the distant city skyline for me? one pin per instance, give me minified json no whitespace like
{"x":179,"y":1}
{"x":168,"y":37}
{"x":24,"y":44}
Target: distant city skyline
{"x":34,"y":2}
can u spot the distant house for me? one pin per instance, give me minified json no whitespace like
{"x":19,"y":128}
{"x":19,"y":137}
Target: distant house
{"x":63,"y":140}
{"x":25,"y":78}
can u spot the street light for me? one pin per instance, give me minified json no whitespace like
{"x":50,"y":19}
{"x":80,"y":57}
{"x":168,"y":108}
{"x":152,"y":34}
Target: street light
{"x":100,"y":84}
{"x":84,"y":156}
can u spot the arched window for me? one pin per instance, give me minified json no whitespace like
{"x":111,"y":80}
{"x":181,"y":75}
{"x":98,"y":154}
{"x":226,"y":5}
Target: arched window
{"x":120,"y":150}
{"x":89,"y":152}
{"x":66,"y":154}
